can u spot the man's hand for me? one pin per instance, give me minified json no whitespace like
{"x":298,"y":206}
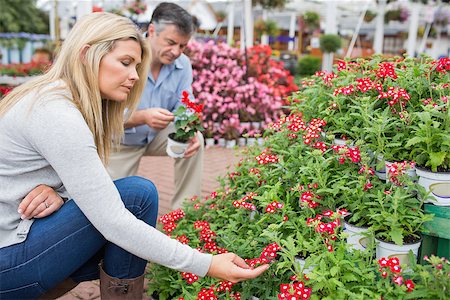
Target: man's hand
{"x":230,"y":267}
{"x":157,"y":118}
{"x":42,"y":201}
{"x":194,"y":145}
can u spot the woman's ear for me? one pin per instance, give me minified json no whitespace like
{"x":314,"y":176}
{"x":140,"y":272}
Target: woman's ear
{"x":83,"y":51}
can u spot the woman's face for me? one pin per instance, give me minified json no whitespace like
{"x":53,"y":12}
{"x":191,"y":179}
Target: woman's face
{"x":117,"y":72}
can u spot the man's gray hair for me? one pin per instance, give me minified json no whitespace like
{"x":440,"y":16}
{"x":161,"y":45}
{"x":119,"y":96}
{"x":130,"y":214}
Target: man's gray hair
{"x":167,"y":13}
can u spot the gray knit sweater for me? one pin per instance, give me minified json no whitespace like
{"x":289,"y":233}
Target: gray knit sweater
{"x":49,"y":143}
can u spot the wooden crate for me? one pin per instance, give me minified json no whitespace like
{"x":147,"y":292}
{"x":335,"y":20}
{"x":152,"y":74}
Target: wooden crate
{"x":437,"y":238}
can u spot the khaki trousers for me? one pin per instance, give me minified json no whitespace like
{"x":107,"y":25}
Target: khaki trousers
{"x":188,"y":171}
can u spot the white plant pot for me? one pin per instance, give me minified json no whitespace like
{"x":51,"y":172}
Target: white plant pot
{"x":380,"y":171}
{"x":230,"y":144}
{"x":342,"y":142}
{"x":357,"y":239}
{"x":221,"y":142}
{"x":242,"y":142}
{"x":389,"y":250}
{"x":438,"y":184}
{"x":256,"y":125}
{"x":209,"y":142}
{"x":254,"y":298}
{"x":176,"y":149}
{"x":302,"y":263}
{"x":251,"y":141}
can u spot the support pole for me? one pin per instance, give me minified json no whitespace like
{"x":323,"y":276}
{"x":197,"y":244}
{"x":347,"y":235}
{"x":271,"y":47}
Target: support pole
{"x":379,"y":29}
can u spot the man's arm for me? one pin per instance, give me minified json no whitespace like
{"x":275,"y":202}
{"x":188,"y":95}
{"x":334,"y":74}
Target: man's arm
{"x":157,"y":118}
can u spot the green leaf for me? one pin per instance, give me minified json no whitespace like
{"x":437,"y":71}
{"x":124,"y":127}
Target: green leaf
{"x":334,"y":270}
{"x":396,"y":235}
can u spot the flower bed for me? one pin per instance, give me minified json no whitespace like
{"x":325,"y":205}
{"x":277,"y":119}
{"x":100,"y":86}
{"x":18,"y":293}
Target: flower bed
{"x":232,"y":96}
{"x":286,"y":200}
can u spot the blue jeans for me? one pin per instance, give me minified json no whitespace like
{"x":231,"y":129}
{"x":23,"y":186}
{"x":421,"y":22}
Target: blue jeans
{"x":65,"y":244}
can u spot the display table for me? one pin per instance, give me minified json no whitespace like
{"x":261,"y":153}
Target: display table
{"x":437,"y":238}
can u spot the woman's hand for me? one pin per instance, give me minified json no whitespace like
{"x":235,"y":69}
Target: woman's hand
{"x":194,"y":146}
{"x":42,"y":201}
{"x":230,"y":267}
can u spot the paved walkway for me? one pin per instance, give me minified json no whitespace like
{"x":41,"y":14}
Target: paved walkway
{"x":160,"y":171}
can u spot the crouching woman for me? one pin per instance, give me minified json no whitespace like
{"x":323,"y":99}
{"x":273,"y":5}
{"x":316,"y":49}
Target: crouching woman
{"x":57,"y":131}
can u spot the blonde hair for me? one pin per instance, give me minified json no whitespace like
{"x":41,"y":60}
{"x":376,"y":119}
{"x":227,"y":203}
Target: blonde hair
{"x":104,"y":117}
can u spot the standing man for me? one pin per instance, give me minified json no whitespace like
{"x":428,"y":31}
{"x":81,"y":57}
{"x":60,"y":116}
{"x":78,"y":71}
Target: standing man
{"x":146,"y":131}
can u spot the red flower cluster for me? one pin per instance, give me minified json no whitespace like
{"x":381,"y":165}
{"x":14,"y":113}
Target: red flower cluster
{"x":346,"y":90}
{"x":443,"y":65}
{"x":208,"y":236}
{"x":244,"y":202}
{"x":266,"y":157}
{"x":321,"y":146}
{"x":254,"y":171}
{"x":234,"y":174}
{"x":168,"y":220}
{"x":313,"y":130}
{"x":183,"y":239}
{"x":268,"y":254}
{"x":198,"y":108}
{"x":347,"y":152}
{"x":225,"y":286}
{"x":391,"y":266}
{"x":326,"y":77}
{"x":207,"y":294}
{"x":273,"y":206}
{"x":307,"y":197}
{"x":396,"y":95}
{"x":366,"y":84}
{"x":4,"y":90}
{"x":189,"y":277}
{"x":327,"y":230}
{"x":294,"y":291}
{"x":397,"y":169}
{"x":386,"y":69}
{"x":296,"y":123}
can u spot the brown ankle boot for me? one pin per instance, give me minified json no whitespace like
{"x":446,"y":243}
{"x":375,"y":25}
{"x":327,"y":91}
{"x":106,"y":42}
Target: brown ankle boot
{"x":59,"y":290}
{"x":112,"y":288}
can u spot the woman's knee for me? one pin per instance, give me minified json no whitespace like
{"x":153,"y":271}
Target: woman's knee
{"x":138,"y":194}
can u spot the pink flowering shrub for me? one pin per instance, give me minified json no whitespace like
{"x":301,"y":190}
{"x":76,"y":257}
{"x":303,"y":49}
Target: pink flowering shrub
{"x":221,"y":84}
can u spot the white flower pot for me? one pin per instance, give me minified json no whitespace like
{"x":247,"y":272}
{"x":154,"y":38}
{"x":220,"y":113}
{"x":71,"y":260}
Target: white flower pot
{"x":356,"y":236}
{"x":342,"y":142}
{"x":242,"y":142}
{"x":209,"y":142}
{"x":251,"y":141}
{"x":221,"y":142}
{"x":380,"y":171}
{"x":256,"y":125}
{"x":302,"y":263}
{"x":176,"y":149}
{"x":388,"y":250}
{"x":438,"y":184}
{"x":230,"y":144}
{"x":254,"y":298}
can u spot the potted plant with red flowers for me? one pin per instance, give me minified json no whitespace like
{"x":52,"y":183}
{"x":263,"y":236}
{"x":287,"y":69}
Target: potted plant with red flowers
{"x":397,"y":220}
{"x":187,"y":124}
